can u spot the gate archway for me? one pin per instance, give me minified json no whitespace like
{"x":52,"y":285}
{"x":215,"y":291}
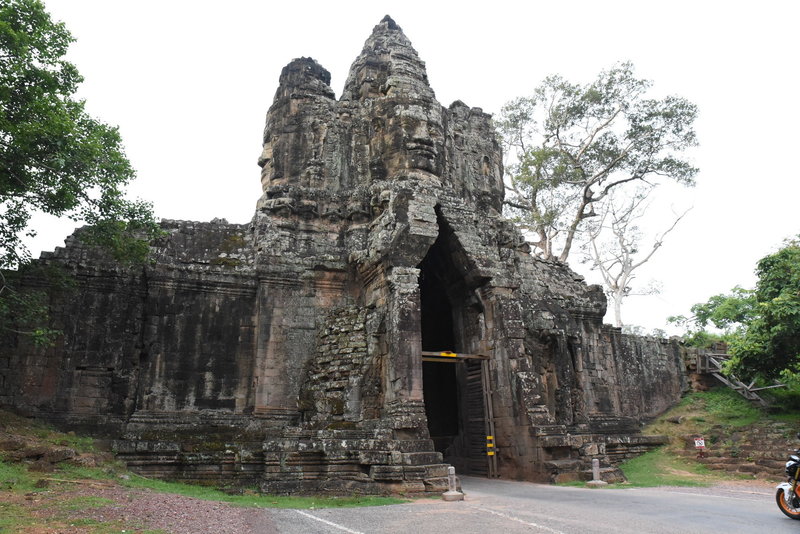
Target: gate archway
{"x":456,"y":384}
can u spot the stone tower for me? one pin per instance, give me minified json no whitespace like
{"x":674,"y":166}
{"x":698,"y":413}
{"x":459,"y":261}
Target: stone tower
{"x":377,"y":320}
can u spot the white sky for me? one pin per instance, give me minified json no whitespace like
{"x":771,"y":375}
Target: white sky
{"x":189,"y":84}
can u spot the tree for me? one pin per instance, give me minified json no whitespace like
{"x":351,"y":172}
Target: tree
{"x":726,"y":313}
{"x":573,"y":145}
{"x":615,"y":246}
{"x":54,"y":157}
{"x":770,"y":343}
{"x":762,"y":326}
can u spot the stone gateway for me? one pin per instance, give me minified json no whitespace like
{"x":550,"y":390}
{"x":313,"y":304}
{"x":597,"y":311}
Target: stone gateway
{"x":375,"y":322}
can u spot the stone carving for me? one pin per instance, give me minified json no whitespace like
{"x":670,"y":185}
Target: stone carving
{"x":293,"y":352}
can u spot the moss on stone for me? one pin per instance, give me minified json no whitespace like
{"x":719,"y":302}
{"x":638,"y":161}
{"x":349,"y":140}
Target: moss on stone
{"x":341,"y":425}
{"x":226,"y":262}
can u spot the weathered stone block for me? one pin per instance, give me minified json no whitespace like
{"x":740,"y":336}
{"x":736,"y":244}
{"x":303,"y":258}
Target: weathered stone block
{"x":386,"y":472}
{"x":422,"y":458}
{"x":373,"y":457}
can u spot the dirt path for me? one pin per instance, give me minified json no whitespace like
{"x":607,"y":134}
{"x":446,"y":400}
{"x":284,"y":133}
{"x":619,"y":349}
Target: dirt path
{"x":94,"y":508}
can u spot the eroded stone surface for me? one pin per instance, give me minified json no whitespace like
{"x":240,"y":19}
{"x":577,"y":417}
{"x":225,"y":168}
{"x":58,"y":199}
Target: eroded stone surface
{"x":288,"y":352}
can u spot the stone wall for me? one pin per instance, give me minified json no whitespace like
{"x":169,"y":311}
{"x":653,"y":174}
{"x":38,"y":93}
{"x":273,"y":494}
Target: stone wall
{"x":290,"y":351}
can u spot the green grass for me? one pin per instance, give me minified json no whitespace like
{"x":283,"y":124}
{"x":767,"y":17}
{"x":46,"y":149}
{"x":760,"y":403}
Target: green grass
{"x":81,"y":503}
{"x":77,"y":472}
{"x":255,"y":499}
{"x":111,"y":527}
{"x":18,"y":476}
{"x":729,"y":408}
{"x":79,"y":443}
{"x":13,"y":516}
{"x":15,"y":477}
{"x":661,"y":468}
{"x":14,"y":480}
{"x":719,"y":406}
{"x":717,"y":415}
{"x":792,"y":418}
{"x":719,"y":411}
{"x":22,"y":426}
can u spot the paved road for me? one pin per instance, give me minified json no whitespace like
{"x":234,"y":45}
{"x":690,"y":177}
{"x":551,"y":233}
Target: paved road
{"x":505,"y":507}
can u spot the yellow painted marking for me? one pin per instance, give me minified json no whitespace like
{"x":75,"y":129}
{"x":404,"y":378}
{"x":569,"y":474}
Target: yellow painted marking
{"x":489,"y":437}
{"x":448,"y":354}
{"x":490,"y":453}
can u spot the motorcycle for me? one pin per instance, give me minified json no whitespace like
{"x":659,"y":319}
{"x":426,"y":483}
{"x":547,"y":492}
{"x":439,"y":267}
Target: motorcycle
{"x":788,"y":495}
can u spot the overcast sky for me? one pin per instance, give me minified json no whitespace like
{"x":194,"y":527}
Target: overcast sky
{"x":189,"y":83}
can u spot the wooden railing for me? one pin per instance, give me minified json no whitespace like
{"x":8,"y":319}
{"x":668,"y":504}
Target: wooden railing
{"x":711,"y":363}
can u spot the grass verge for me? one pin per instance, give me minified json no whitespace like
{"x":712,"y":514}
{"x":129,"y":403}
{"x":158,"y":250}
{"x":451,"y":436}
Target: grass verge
{"x":256,"y":499}
{"x":16,"y":478}
{"x":723,"y":417}
{"x":662,"y":468}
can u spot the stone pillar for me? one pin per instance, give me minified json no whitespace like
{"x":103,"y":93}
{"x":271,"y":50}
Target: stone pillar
{"x":404,"y":399}
{"x":269,"y":368}
{"x":452,"y":493}
{"x":404,"y":336}
{"x":285,"y":337}
{"x":596,"y":482}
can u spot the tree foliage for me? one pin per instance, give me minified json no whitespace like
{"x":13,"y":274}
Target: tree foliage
{"x":762,"y":325}
{"x":55,"y":158}
{"x":726,"y":315}
{"x":771,"y":341}
{"x":572,"y":145}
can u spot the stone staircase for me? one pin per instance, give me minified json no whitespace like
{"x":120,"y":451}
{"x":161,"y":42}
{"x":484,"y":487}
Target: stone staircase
{"x":759,"y":450}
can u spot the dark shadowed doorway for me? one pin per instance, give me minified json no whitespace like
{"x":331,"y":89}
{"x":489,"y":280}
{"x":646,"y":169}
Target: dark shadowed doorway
{"x":454,"y":381}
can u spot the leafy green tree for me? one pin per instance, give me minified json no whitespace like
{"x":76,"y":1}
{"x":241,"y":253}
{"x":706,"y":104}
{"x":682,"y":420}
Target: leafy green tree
{"x":770,"y":343}
{"x":572,"y":145}
{"x":727,"y":314}
{"x":54,"y":157}
{"x":762,"y":326}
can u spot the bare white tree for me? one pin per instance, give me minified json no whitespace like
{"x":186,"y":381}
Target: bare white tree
{"x":615,"y":249}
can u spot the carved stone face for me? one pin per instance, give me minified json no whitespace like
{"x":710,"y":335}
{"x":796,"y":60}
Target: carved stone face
{"x":266,"y":163}
{"x":285,"y":156}
{"x":408,"y":136}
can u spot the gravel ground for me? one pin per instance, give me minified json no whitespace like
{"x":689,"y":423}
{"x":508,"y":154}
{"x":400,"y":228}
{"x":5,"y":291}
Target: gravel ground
{"x":175,"y":514}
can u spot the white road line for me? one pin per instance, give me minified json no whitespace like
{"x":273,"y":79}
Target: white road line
{"x":518,"y":520}
{"x":334,"y":525}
